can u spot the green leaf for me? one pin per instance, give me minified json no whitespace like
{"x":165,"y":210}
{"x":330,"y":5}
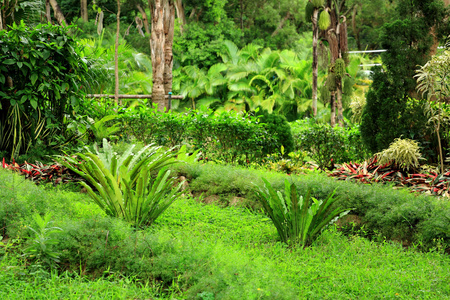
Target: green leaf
{"x":9,"y":61}
{"x":34,"y":77}
{"x":33,"y":103}
{"x":2,"y":79}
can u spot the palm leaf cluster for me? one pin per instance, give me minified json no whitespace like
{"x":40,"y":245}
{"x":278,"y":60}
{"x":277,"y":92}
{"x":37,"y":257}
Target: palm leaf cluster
{"x":249,"y":78}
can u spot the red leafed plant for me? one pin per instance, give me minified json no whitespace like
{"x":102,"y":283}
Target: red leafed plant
{"x":370,"y":171}
{"x":40,"y":172}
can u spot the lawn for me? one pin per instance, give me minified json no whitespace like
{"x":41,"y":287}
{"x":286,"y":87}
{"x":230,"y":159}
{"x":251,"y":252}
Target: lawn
{"x":199,"y":251}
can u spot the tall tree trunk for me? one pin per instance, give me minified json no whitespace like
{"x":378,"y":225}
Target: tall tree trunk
{"x":116,"y":56}
{"x":340,"y":108}
{"x":48,"y":13}
{"x":1,"y":19}
{"x":58,"y":13}
{"x":157,"y":42}
{"x":315,"y":64}
{"x":169,"y":26}
{"x":84,"y":10}
{"x":180,"y":14}
{"x":144,"y":18}
{"x":333,"y":108}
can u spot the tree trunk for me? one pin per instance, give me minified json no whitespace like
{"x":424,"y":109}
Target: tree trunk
{"x":1,"y":19}
{"x":144,"y":18}
{"x":169,"y":26}
{"x":315,"y":64}
{"x":340,"y":109}
{"x":180,"y":14}
{"x":48,"y":13}
{"x":333,"y":109}
{"x":116,"y":56}
{"x":84,"y":10}
{"x":157,"y":42}
{"x":58,"y":13}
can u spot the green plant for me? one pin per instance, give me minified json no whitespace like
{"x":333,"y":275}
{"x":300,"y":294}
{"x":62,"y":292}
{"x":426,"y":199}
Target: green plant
{"x":298,"y":219}
{"x":42,"y":75}
{"x":403,"y":152}
{"x":124,"y":182}
{"x":40,"y":248}
{"x":324,"y":144}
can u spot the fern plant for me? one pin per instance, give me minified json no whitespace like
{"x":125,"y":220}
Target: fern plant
{"x":298,"y":219}
{"x":124,"y":185}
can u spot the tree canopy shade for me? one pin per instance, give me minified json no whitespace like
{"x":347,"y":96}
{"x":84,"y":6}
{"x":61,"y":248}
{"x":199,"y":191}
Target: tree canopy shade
{"x":42,"y":77}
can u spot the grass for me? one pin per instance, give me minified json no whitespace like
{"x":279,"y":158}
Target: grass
{"x":198,"y":251}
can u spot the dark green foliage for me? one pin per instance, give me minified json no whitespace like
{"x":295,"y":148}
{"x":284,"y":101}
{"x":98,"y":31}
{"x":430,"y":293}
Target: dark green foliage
{"x":309,"y":12}
{"x":41,"y":78}
{"x":328,"y":146}
{"x":229,"y":137}
{"x":200,"y":43}
{"x":277,"y":126}
{"x":389,"y":114}
{"x":407,"y":38}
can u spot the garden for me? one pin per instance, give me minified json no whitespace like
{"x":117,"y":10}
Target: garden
{"x":240,"y":150}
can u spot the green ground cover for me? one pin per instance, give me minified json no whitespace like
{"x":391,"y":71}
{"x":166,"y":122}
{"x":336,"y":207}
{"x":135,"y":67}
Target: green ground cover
{"x":198,"y":251}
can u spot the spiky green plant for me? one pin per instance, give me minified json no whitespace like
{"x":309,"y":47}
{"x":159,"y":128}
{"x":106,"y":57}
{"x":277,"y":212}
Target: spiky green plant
{"x":403,"y":152}
{"x":298,"y":219}
{"x":124,"y":183}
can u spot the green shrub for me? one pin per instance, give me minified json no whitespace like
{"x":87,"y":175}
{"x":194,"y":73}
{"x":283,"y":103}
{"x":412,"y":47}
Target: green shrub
{"x":278,"y":127}
{"x":228,"y":137}
{"x":324,"y":143}
{"x":41,"y":78}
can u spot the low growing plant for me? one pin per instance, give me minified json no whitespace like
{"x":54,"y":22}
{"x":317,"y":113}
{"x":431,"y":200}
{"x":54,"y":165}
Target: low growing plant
{"x":298,"y":219}
{"x":124,"y":184}
{"x":40,"y":248}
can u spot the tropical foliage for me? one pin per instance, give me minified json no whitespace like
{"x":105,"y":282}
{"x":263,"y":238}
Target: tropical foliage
{"x":124,"y":183}
{"x":298,"y":219}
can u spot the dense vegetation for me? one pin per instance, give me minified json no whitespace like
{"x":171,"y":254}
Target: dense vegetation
{"x":271,"y":161}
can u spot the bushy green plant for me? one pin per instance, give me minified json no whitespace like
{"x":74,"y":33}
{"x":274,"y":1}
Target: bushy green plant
{"x":278,"y":127}
{"x":124,"y":182}
{"x":228,"y":136}
{"x":323,"y":144}
{"x":403,"y":152}
{"x":41,"y":76}
{"x":298,"y":219}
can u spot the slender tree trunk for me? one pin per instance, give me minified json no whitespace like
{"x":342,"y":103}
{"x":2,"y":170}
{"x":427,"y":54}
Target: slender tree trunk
{"x":116,"y":56}
{"x":144,"y":18}
{"x":48,"y":13}
{"x":157,"y":42}
{"x":1,"y":19}
{"x":84,"y":10}
{"x":340,"y":109}
{"x":315,"y":63}
{"x":169,"y":26}
{"x":333,"y":108}
{"x":180,"y":14}
{"x":58,"y":13}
